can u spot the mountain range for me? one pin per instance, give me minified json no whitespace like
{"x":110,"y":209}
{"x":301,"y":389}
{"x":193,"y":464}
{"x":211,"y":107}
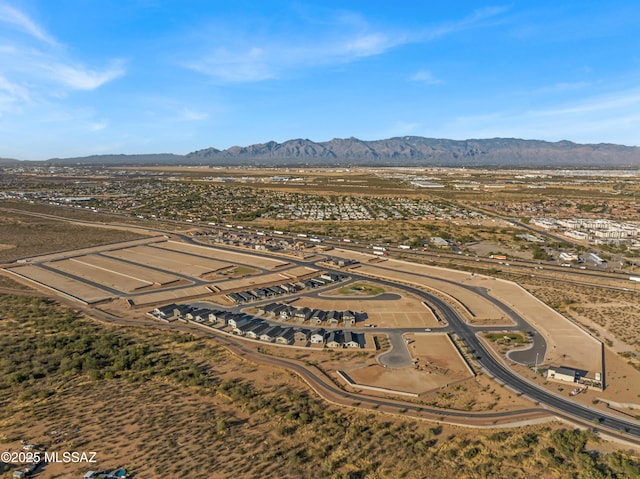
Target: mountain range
{"x":399,"y":151}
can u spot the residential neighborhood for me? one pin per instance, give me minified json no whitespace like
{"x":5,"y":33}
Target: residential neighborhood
{"x":263,"y":329}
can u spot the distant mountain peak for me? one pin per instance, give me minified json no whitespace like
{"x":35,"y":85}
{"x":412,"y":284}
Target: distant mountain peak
{"x":398,"y":151}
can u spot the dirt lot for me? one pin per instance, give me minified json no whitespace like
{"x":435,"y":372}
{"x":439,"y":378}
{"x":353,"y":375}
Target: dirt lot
{"x":112,"y":279}
{"x":159,"y":297}
{"x":223,"y":255}
{"x":438,"y":364}
{"x":166,"y":260}
{"x":60,"y":283}
{"x":566,"y":343}
{"x":477,"y":309}
{"x":139,"y":272}
{"x":250,"y":282}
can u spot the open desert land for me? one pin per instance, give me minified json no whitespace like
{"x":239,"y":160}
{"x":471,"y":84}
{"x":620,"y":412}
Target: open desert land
{"x":25,"y":236}
{"x":180,"y":263}
{"x":151,"y":414}
{"x":93,"y":250}
{"x":613,"y":316}
{"x":223,"y":255}
{"x":61,"y":284}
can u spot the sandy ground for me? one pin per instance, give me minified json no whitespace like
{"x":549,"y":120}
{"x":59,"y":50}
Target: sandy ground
{"x":113,"y":279}
{"x":166,"y":260}
{"x":567,"y":344}
{"x":78,"y":289}
{"x":250,"y":282}
{"x":438,"y":365}
{"x":428,"y":276}
{"x":140,"y":272}
{"x":297,"y":272}
{"x":223,"y":255}
{"x":404,"y":312}
{"x":159,"y":297}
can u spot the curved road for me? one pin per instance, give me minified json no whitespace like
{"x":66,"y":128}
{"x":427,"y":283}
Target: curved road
{"x":499,"y":371}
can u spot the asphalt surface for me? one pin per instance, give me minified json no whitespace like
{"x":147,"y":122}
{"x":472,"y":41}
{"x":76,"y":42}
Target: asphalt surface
{"x":398,"y":355}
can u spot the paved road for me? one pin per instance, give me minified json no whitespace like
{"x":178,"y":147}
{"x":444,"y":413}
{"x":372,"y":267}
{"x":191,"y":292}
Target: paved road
{"x":398,"y":355}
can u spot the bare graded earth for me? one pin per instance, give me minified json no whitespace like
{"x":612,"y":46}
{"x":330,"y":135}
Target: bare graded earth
{"x":61,"y":284}
{"x":223,"y":255}
{"x":438,"y":364}
{"x":110,"y":278}
{"x":139,"y":272}
{"x":166,"y":260}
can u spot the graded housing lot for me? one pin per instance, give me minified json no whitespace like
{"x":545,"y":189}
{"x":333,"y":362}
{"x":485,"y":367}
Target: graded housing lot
{"x":151,"y":271}
{"x":110,"y":278}
{"x":160,"y":258}
{"x":77,"y":290}
{"x":105,"y":263}
{"x":230,"y":256}
{"x":437,"y":364}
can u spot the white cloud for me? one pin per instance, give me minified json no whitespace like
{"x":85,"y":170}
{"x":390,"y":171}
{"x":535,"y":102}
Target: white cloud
{"x":368,"y":45}
{"x":192,"y":115}
{"x":235,"y":58}
{"x":80,"y":78}
{"x":248,"y":65}
{"x":426,"y":77}
{"x":34,"y":72}
{"x":18,"y":19}
{"x":98,"y":125}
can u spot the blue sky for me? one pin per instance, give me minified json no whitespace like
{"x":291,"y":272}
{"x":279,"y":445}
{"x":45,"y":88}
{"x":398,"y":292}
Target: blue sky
{"x":82,"y":77}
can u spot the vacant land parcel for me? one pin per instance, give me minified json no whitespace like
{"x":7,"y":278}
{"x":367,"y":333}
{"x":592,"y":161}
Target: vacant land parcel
{"x":181,"y":263}
{"x":61,"y":284}
{"x":437,"y":364}
{"x":222,"y":255}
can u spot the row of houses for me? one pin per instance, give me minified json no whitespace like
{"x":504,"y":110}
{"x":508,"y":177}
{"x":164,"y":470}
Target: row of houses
{"x":258,"y":294}
{"x":250,"y":327}
{"x":263,"y":331}
{"x":285,"y":312}
{"x":185,"y":312}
